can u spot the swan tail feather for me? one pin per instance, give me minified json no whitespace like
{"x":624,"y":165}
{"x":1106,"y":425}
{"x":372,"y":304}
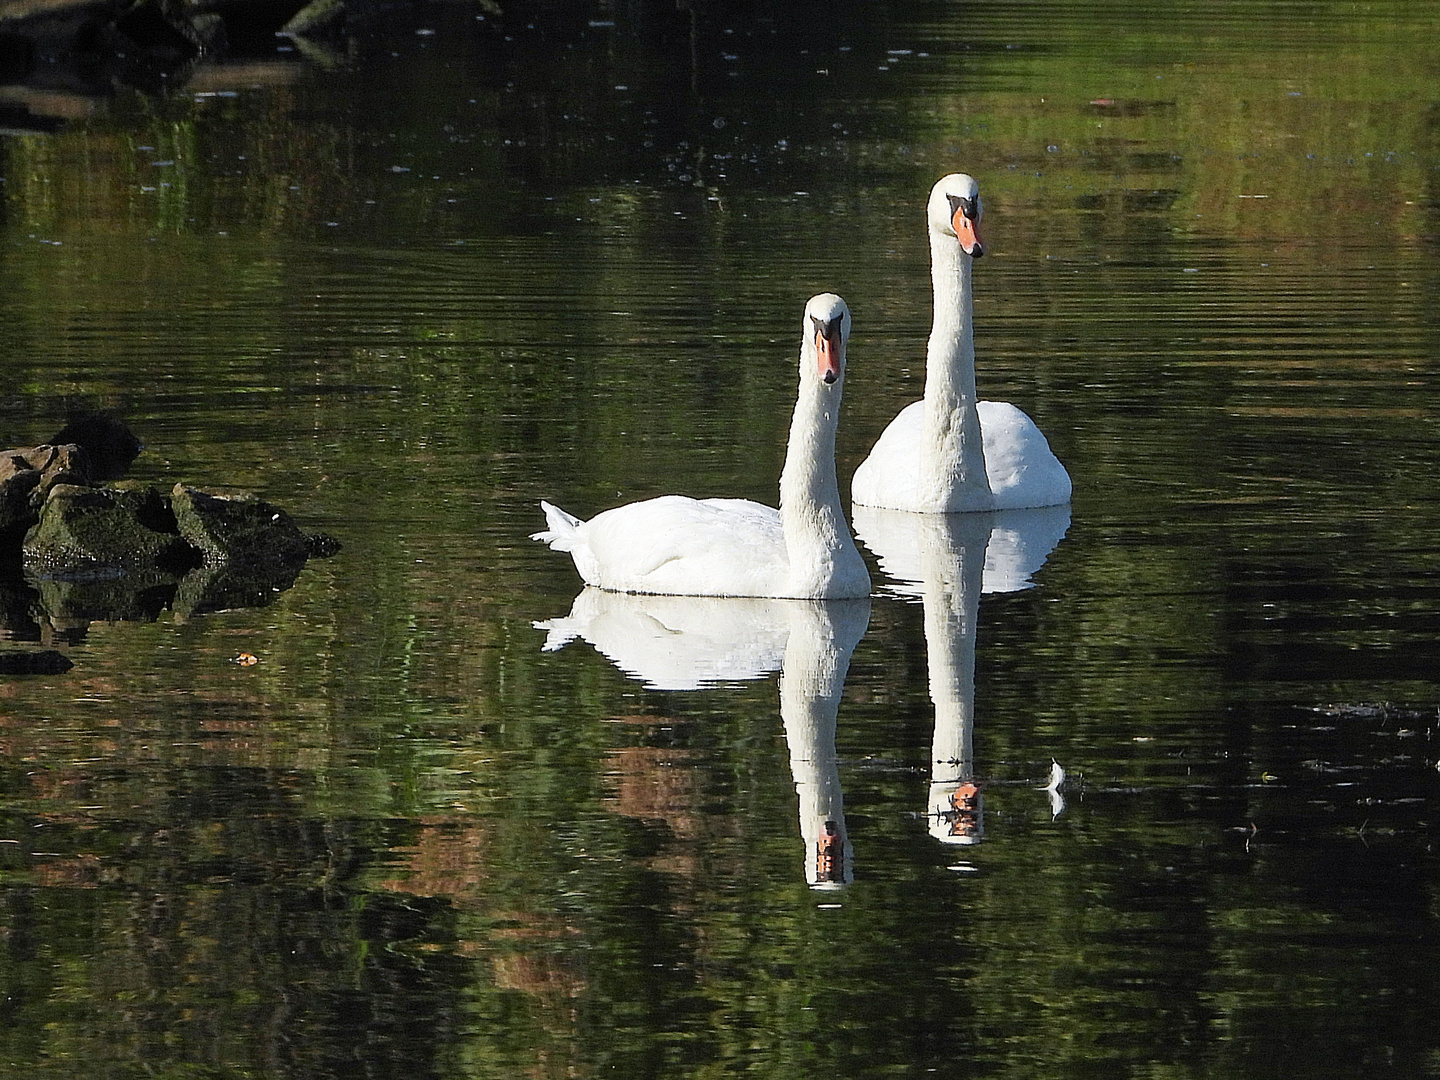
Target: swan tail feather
{"x":561,"y":535}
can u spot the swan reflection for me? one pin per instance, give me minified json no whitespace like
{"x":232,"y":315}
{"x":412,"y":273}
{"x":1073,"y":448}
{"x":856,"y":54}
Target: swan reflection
{"x":690,"y":642}
{"x":948,"y":560}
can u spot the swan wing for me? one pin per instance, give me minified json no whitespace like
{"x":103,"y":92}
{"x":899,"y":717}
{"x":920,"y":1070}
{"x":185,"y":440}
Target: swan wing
{"x":1022,"y":469}
{"x":678,"y":545}
{"x":890,"y":476}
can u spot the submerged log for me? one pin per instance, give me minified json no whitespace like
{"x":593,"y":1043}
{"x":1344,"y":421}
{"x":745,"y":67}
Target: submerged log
{"x":316,"y":17}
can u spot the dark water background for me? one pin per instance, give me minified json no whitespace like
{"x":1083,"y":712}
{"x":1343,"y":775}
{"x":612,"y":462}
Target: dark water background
{"x":457,"y":259}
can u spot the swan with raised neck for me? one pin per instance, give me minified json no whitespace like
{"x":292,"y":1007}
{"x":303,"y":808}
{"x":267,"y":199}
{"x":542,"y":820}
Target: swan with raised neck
{"x":951,"y":452}
{"x":734,"y":547}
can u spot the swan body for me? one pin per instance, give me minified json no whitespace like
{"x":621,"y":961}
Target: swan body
{"x":734,"y":547}
{"x":951,"y":452}
{"x":1020,"y":469}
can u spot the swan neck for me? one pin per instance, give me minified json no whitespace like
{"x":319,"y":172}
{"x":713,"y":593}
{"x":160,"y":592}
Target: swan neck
{"x":810,"y":507}
{"x":952,"y":474}
{"x":950,"y":367}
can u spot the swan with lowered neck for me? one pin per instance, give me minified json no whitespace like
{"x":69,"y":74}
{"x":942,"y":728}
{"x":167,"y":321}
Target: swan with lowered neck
{"x":951,"y":452}
{"x":734,"y":547}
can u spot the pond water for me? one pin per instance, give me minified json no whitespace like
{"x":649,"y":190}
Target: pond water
{"x":409,"y":280}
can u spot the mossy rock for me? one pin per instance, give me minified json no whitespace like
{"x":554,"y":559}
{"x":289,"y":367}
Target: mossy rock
{"x":28,"y":473}
{"x":88,"y":532}
{"x":243,"y":532}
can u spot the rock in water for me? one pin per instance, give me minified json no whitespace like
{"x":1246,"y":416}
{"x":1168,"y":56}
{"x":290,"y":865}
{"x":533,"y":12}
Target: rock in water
{"x":28,"y":474}
{"x":240,"y":531}
{"x":94,"y":532}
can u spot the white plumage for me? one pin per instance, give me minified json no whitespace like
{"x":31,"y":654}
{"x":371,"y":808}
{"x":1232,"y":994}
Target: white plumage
{"x":951,"y":452}
{"x":735,"y":547}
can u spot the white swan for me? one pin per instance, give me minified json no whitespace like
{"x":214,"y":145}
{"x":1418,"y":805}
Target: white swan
{"x":734,"y":547}
{"x":950,"y":452}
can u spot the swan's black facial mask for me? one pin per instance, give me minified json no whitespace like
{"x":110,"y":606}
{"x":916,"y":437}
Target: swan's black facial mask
{"x":968,"y":207}
{"x":965,"y":220}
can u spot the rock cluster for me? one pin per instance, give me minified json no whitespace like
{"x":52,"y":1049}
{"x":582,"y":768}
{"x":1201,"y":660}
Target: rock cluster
{"x":79,"y":551}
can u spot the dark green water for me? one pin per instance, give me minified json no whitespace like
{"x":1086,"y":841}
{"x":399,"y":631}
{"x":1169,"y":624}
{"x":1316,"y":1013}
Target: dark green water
{"x":467,"y":263}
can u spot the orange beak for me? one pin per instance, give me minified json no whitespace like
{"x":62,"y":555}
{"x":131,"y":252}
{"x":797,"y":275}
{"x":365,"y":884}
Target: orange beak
{"x":827,"y":350}
{"x":969,"y":233}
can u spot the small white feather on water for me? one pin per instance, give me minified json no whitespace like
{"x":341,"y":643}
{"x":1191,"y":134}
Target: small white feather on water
{"x":1057,"y":776}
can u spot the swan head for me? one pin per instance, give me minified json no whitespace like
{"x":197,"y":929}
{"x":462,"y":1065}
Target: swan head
{"x":826,"y":332}
{"x":955,"y":210}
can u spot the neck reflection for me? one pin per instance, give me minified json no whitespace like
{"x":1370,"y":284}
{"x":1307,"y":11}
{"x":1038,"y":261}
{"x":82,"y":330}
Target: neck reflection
{"x":691,"y":642}
{"x":948,"y":561}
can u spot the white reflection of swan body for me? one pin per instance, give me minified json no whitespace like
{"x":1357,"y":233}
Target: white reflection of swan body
{"x":734,"y":547}
{"x":684,"y":643}
{"x":677,"y":642}
{"x":948,"y":561}
{"x":950,"y":452}
{"x":1016,"y":545}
